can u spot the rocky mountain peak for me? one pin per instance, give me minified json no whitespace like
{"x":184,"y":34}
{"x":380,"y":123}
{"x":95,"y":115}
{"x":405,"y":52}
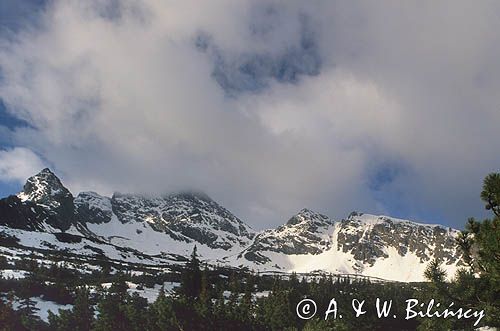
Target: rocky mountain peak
{"x":47,"y":191}
{"x":370,"y":237}
{"x":307,"y":232}
{"x":44,"y":188}
{"x":307,"y":215}
{"x":193,"y":195}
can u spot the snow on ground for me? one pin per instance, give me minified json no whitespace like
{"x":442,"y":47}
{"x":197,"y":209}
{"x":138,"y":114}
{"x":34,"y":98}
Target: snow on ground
{"x":44,"y":240}
{"x":406,"y":268}
{"x":140,"y":236}
{"x":261,"y":294}
{"x":44,"y":307}
{"x":13,"y":274}
{"x":150,"y":293}
{"x":378,"y":219}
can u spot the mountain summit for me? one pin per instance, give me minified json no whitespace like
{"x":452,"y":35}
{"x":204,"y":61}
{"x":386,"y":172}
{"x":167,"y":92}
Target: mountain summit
{"x":46,"y":190}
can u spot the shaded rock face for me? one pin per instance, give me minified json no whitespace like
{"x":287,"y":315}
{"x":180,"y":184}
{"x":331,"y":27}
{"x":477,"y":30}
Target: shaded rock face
{"x":25,"y":215}
{"x":305,"y":233}
{"x":46,"y":190}
{"x":367,"y":239}
{"x":186,"y":216}
{"x":93,"y":208}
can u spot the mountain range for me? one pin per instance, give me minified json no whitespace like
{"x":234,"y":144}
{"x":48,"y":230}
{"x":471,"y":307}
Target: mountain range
{"x":143,"y":232}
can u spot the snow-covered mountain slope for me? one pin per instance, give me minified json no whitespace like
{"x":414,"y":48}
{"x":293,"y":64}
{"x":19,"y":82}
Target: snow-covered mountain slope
{"x":305,"y":233}
{"x":159,"y":230}
{"x":189,"y":217}
{"x":363,"y":244}
{"x":152,"y":225}
{"x":163,"y":224}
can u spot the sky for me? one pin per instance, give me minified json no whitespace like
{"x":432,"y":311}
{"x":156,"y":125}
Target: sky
{"x":267,"y":106}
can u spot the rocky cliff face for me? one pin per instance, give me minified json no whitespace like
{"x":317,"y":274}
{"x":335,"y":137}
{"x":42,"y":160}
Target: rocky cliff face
{"x":156,"y":229}
{"x":367,"y":238}
{"x":307,"y":232}
{"x":187,"y":215}
{"x":365,"y":244}
{"x":25,"y":215}
{"x":46,"y":190}
{"x":93,"y":208}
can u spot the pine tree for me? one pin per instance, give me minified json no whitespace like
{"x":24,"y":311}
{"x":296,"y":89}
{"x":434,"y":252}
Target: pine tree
{"x":191,"y":277}
{"x":135,"y":311}
{"x":119,"y":287}
{"x":28,"y":309}
{"x":110,"y":308}
{"x":480,"y":243}
{"x":232,"y":304}
{"x":204,"y":305}
{"x":161,"y":313}
{"x":220,"y":304}
{"x":83,"y":311}
{"x":62,"y":321}
{"x":491,"y":193}
{"x":245,"y":308}
{"x":9,"y":319}
{"x":280,"y":314}
{"x":434,"y":272}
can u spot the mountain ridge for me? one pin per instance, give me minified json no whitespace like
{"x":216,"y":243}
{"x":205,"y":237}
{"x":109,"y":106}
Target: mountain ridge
{"x":162,"y":229}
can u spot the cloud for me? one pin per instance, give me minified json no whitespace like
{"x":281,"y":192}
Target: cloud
{"x":17,"y":164}
{"x":267,"y":106}
{"x":253,"y":70}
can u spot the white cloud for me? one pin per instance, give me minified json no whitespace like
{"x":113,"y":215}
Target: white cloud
{"x":17,"y":164}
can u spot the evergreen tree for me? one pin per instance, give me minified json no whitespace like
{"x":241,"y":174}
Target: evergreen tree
{"x":111,"y":308}
{"x":135,"y":310}
{"x":220,"y":304}
{"x":79,"y":318}
{"x":28,"y":309}
{"x":191,"y":277}
{"x":161,"y":314}
{"x":245,"y":307}
{"x":83,"y":311}
{"x":279,"y":313}
{"x":491,"y":193}
{"x":204,"y":304}
{"x":233,"y":300}
{"x":480,"y":243}
{"x":9,"y":319}
{"x":434,"y":272}
{"x":62,"y":321}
